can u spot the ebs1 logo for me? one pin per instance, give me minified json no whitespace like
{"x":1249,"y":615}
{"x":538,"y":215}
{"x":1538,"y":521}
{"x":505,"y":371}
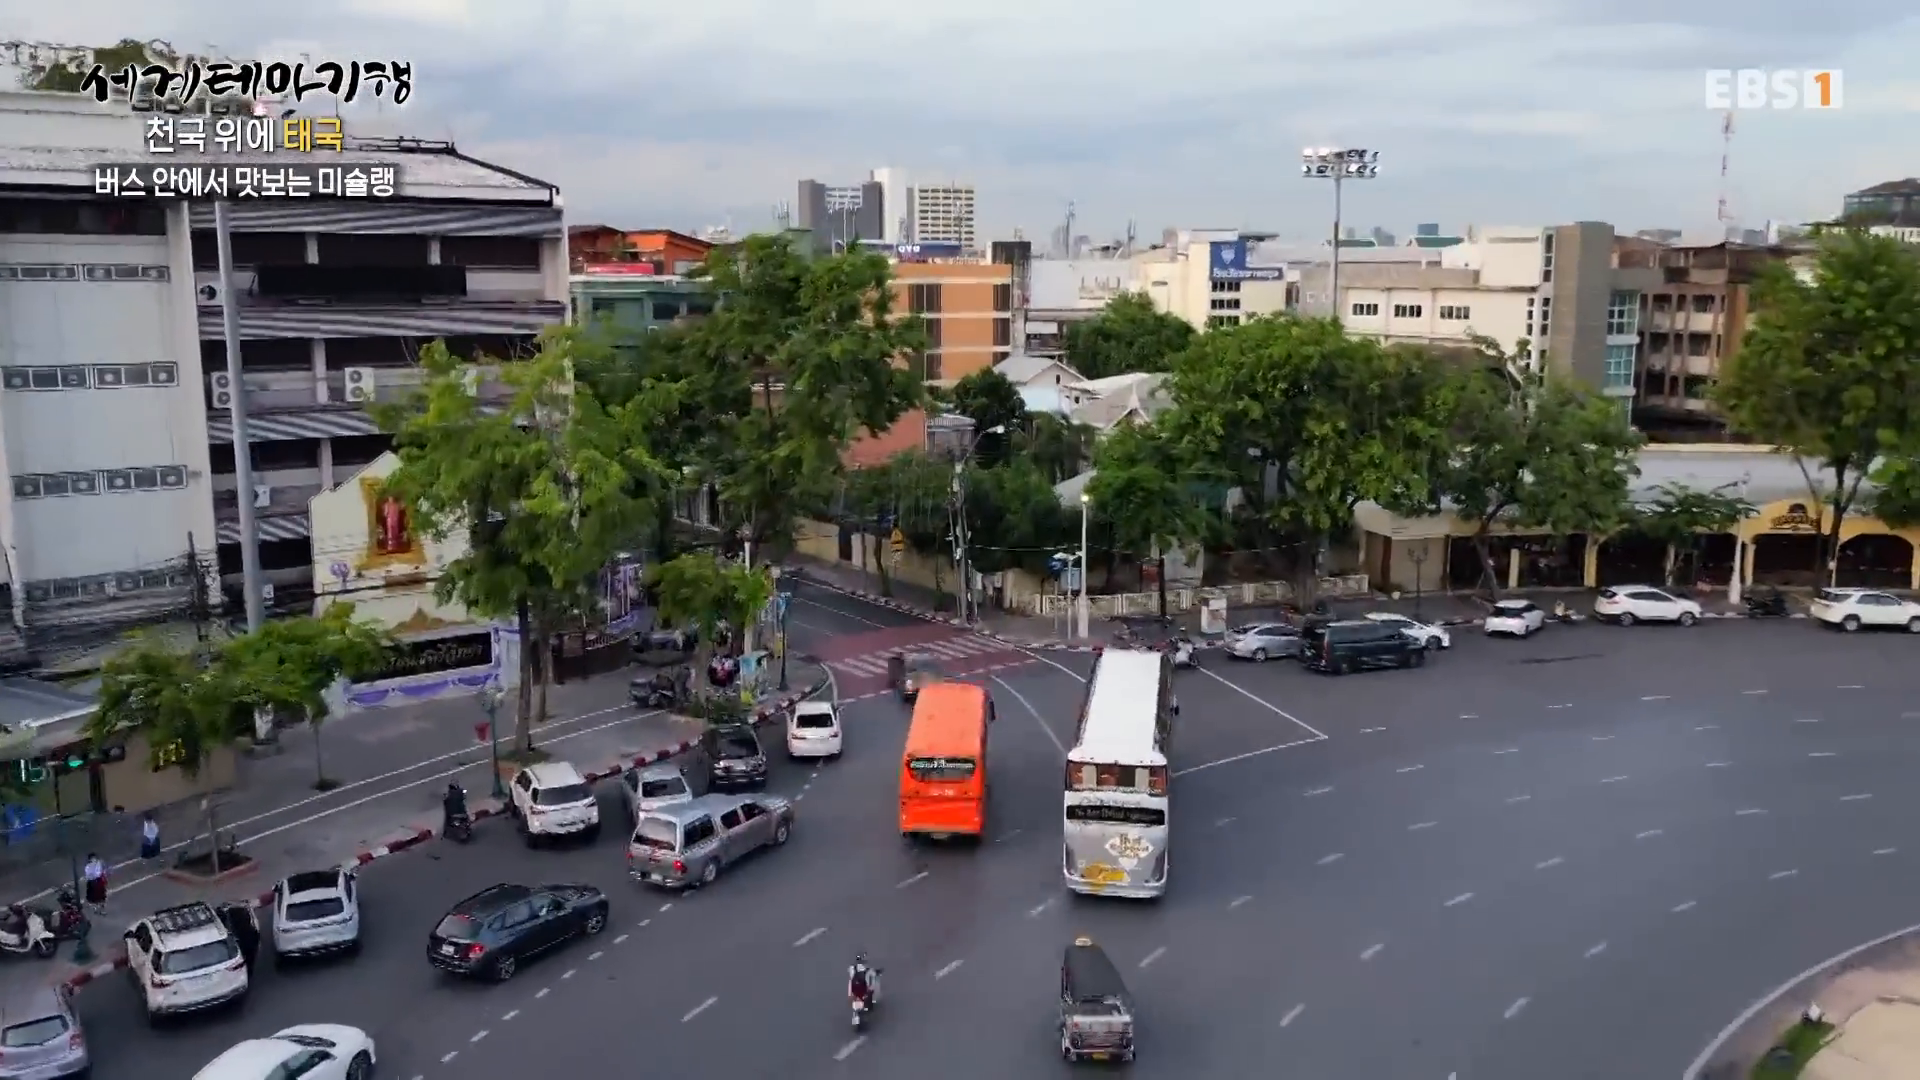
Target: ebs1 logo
{"x":1779,"y":88}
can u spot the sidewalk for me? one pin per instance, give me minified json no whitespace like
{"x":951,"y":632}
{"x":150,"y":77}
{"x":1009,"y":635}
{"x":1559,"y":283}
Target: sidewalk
{"x":384,"y":822}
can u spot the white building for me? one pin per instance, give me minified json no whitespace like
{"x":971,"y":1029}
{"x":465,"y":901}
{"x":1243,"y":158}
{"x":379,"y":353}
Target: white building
{"x":896,"y":223}
{"x":112,"y":346}
{"x":944,"y":214}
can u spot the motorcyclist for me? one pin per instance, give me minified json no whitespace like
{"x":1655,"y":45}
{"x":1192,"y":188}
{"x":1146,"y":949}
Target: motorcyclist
{"x":454,"y":806}
{"x":1561,"y":611}
{"x":863,"y":982}
{"x":14,"y":922}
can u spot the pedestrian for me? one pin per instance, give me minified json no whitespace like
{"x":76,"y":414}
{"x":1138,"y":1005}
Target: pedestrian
{"x":95,"y":873}
{"x":149,"y":837}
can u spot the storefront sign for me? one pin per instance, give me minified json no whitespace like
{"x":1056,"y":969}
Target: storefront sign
{"x":438,"y":655}
{"x":1796,"y":519}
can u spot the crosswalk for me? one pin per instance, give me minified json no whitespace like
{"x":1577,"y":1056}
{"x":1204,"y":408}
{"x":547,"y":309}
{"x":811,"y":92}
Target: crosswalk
{"x":859,"y":661}
{"x":960,"y":650}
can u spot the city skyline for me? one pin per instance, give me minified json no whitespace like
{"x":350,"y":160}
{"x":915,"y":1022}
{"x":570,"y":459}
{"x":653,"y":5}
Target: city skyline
{"x":1482,"y":116}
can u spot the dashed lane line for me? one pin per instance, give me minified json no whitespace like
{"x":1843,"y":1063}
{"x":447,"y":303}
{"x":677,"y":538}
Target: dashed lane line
{"x":595,"y":956}
{"x":1885,"y":851}
{"x":1508,"y":750}
{"x":1595,"y":951}
{"x":1808,"y":720}
{"x":1602,"y":738}
{"x":1568,"y":705}
{"x":1040,"y":907}
{"x":948,"y":970}
{"x":1719,"y":764}
{"x":1409,"y":768}
{"x":1648,"y":833}
{"x":1223,"y":822}
{"x":478,"y":1035}
{"x":1008,"y":836}
{"x":1855,"y":798}
{"x":621,"y":939}
{"x":449,"y":1056}
{"x":1613,"y":779}
{"x":846,"y":1051}
{"x":1329,"y":860}
{"x":1513,"y":1010}
{"x":700,"y":1008}
{"x":1154,"y":955}
{"x":921,"y":876}
{"x":1654,"y":697}
{"x":1823,"y":753}
{"x":1458,"y":900}
{"x":1469,"y":716}
{"x":1706,"y":727}
{"x":1549,"y":864}
{"x":1748,"y":812}
{"x":1416,"y":827}
{"x":1517,"y":799}
{"x":809,"y":936}
{"x":1292,"y":1015}
{"x":509,"y":1014}
{"x":1778,"y":875}
{"x":1850,"y":686}
{"x":1752,"y":693}
{"x":542,"y":992}
{"x":1686,"y":906}
{"x":1372,"y":951}
{"x":668,"y":906}
{"x":1318,"y":791}
{"x":1238,"y":901}
{"x":643,"y":922}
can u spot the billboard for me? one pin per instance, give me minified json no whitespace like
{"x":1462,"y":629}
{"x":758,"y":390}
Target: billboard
{"x":1227,"y":261}
{"x":920,"y":252}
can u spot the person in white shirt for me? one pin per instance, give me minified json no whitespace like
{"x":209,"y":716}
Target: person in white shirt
{"x":149,"y":836}
{"x":95,"y":873}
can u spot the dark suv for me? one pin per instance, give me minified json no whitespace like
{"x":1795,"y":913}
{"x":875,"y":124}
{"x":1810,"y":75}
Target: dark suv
{"x":734,"y":756}
{"x":1340,"y":647}
{"x":491,"y":933}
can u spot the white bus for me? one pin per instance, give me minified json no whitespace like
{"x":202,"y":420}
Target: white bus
{"x":1116,"y":785}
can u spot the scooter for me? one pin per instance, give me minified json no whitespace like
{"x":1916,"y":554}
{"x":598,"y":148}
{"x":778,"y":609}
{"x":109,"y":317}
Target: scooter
{"x":459,"y":827}
{"x":67,"y":921}
{"x":1185,"y":655}
{"x":862,"y":1006}
{"x":1767,"y":606}
{"x":26,"y":932}
{"x":1564,"y":614}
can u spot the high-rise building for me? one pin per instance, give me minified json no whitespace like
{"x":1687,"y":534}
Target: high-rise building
{"x":944,"y":214}
{"x":837,"y":218}
{"x":896,"y":222}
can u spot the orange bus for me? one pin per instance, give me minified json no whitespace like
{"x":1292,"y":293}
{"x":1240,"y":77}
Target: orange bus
{"x":943,"y":772}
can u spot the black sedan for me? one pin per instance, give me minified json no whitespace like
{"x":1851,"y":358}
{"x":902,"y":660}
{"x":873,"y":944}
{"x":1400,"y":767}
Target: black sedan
{"x":491,"y":933}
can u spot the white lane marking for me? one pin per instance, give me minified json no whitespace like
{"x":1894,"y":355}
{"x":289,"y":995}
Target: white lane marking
{"x":1850,"y":686}
{"x":1328,"y":860}
{"x":1519,"y":798}
{"x":921,"y":876}
{"x":1409,"y":768}
{"x":1613,"y":779}
{"x":1596,"y":950}
{"x":1159,"y":952}
{"x":1808,"y":720}
{"x":668,"y":906}
{"x":1372,"y":951}
{"x":1292,"y":1015}
{"x":1318,"y":791}
{"x":1469,"y":716}
{"x":1854,"y":798}
{"x":510,"y":1014}
{"x":477,"y":1036}
{"x":1688,"y":906}
{"x":1653,"y":697}
{"x":1603,"y":738}
{"x":809,"y":936}
{"x":1718,"y":764}
{"x":1223,"y":822}
{"x":1033,"y":712}
{"x":1461,"y":899}
{"x":595,"y":956}
{"x":1237,"y":901}
{"x":1569,"y":705}
{"x":643,"y":922}
{"x":1549,"y":864}
{"x":798,"y":795}
{"x":1009,"y":836}
{"x":1263,"y":703}
{"x":846,"y":1051}
{"x":1753,"y":693}
{"x":1823,"y":753}
{"x":1749,"y":811}
{"x":700,"y":1008}
{"x":806,"y":785}
{"x":1706,"y":727}
{"x":1513,"y":1010}
{"x":1040,"y":907}
{"x":1422,"y":825}
{"x":620,"y":939}
{"x":449,"y":1056}
{"x":1249,"y":754}
{"x":1508,"y":750}
{"x":948,"y":970}
{"x":1649,"y":832}
{"x":1778,"y":874}
{"x":1885,"y":851}
{"x":814,"y":775}
{"x":1371,"y":730}
{"x":542,"y":992}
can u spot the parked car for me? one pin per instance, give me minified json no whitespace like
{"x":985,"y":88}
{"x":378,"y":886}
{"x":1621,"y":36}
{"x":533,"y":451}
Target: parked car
{"x":1341,"y":647}
{"x":316,"y":912}
{"x":1429,"y":636}
{"x":40,"y":1036}
{"x":552,"y":800}
{"x":1628,"y":604}
{"x":491,"y":933}
{"x":306,"y":1051}
{"x":734,"y":757}
{"x":1261,"y":642}
{"x":1518,"y":618}
{"x":653,"y":786}
{"x":185,"y":959}
{"x":813,"y":730}
{"x":1852,"y":609}
{"x":683,"y":846}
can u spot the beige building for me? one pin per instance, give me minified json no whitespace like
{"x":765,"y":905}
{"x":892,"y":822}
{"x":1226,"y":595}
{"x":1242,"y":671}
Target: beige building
{"x":1180,"y":279}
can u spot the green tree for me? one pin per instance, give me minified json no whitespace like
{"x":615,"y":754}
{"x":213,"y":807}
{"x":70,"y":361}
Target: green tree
{"x":542,"y":490}
{"x":288,"y":665}
{"x":702,"y":590}
{"x":1060,"y":448}
{"x":908,"y":491}
{"x":1896,"y":500}
{"x":802,"y":356}
{"x":997,"y":410}
{"x":1014,"y":518}
{"x":1679,"y":516}
{"x":1138,"y":488}
{"x":1542,"y":454}
{"x":179,"y":701}
{"x":1829,"y":368}
{"x":1128,"y":335}
{"x":1306,"y":423}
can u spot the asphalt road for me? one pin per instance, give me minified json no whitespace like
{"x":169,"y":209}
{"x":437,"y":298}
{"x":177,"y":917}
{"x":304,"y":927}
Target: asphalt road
{"x":1575,"y":856}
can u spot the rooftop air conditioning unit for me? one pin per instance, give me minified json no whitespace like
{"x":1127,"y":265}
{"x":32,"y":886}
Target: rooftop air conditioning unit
{"x":210,"y":293}
{"x":220,"y":390}
{"x":360,"y":384}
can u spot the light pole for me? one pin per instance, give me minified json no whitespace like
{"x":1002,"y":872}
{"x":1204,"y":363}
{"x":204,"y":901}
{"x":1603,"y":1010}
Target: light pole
{"x":1338,"y":164}
{"x":1086,"y":608}
{"x":1419,"y":557}
{"x":490,"y":701}
{"x":960,"y":520}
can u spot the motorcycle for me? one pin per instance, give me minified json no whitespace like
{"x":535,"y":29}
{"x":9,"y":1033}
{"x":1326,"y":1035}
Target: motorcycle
{"x":459,"y":826}
{"x":25,"y":932}
{"x":68,"y":920}
{"x":863,"y":1005}
{"x":1767,"y":606}
{"x":1563,"y":614}
{"x":1185,"y":654}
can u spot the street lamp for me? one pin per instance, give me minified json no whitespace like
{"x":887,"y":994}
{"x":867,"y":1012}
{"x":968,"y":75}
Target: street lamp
{"x":1086,"y":610}
{"x":490,"y":700}
{"x":1338,"y":164}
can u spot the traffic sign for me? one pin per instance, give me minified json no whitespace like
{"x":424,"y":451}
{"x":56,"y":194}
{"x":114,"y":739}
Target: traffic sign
{"x":898,"y":540}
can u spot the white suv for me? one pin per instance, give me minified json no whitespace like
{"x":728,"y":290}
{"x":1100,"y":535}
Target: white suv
{"x":1851,"y":609}
{"x":552,"y":799}
{"x":185,"y":959}
{"x":1628,"y":604}
{"x":813,"y":730}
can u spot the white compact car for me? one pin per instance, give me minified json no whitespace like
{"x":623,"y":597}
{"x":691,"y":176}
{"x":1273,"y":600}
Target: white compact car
{"x":184,"y":959}
{"x":1429,"y":636}
{"x":1852,"y":609}
{"x":652,"y":787}
{"x":1516,"y":618}
{"x":1261,"y":642}
{"x":551,"y":800}
{"x":813,"y":730}
{"x":1629,"y":604}
{"x":306,"y":1051}
{"x":316,"y":912}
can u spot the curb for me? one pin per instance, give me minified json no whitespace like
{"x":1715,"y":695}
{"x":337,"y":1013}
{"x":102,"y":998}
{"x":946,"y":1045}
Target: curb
{"x":415,"y":836}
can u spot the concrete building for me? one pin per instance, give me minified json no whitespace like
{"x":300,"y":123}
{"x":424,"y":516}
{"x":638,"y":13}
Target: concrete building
{"x":896,"y":214}
{"x":1216,"y":277}
{"x":1896,"y":203}
{"x":636,"y":302}
{"x":836,"y":218}
{"x":124,"y":449}
{"x":1691,"y":324}
{"x":944,"y":214}
{"x":1065,"y":291}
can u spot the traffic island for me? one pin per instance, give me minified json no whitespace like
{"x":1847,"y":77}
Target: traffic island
{"x":203,"y":868}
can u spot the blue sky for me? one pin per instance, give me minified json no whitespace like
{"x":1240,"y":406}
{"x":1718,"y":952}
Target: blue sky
{"x":1491,"y":111}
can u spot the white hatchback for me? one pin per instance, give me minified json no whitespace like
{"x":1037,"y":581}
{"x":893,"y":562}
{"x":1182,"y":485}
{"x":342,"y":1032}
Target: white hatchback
{"x":1628,"y":604}
{"x":813,"y":730}
{"x":1852,"y":609}
{"x":1429,"y":636}
{"x":1519,"y":618}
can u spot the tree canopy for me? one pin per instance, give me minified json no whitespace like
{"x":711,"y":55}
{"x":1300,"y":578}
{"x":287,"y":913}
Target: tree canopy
{"x":288,"y":665}
{"x":997,"y":410}
{"x":1137,"y":488}
{"x":1129,"y":335}
{"x":1829,"y":369}
{"x":1678,"y":516}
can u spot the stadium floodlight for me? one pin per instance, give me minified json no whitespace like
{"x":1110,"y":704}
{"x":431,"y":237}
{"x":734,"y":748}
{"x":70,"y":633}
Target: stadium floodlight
{"x":1338,"y":164}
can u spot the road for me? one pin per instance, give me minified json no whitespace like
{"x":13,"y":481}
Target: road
{"x":1576,"y":856}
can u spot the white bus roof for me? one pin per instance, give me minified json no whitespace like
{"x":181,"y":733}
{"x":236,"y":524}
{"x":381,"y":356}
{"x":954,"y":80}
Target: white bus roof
{"x":1123,"y":706}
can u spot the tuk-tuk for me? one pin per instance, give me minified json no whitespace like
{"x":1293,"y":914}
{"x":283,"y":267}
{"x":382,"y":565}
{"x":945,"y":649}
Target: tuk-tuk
{"x":1096,"y":1011}
{"x":908,"y":673}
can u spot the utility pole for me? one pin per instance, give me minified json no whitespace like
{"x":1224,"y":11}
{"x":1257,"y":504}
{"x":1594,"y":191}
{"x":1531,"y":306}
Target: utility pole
{"x":242,"y":452}
{"x":197,"y":606}
{"x":960,"y":534}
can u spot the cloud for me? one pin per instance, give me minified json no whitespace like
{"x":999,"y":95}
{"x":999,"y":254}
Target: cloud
{"x":1485,"y":111}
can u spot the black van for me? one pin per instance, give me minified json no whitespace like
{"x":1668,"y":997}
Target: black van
{"x":1340,"y":647}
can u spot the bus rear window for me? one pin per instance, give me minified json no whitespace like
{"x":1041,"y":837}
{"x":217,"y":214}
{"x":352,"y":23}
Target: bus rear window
{"x":940,"y":770}
{"x":1085,"y":776}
